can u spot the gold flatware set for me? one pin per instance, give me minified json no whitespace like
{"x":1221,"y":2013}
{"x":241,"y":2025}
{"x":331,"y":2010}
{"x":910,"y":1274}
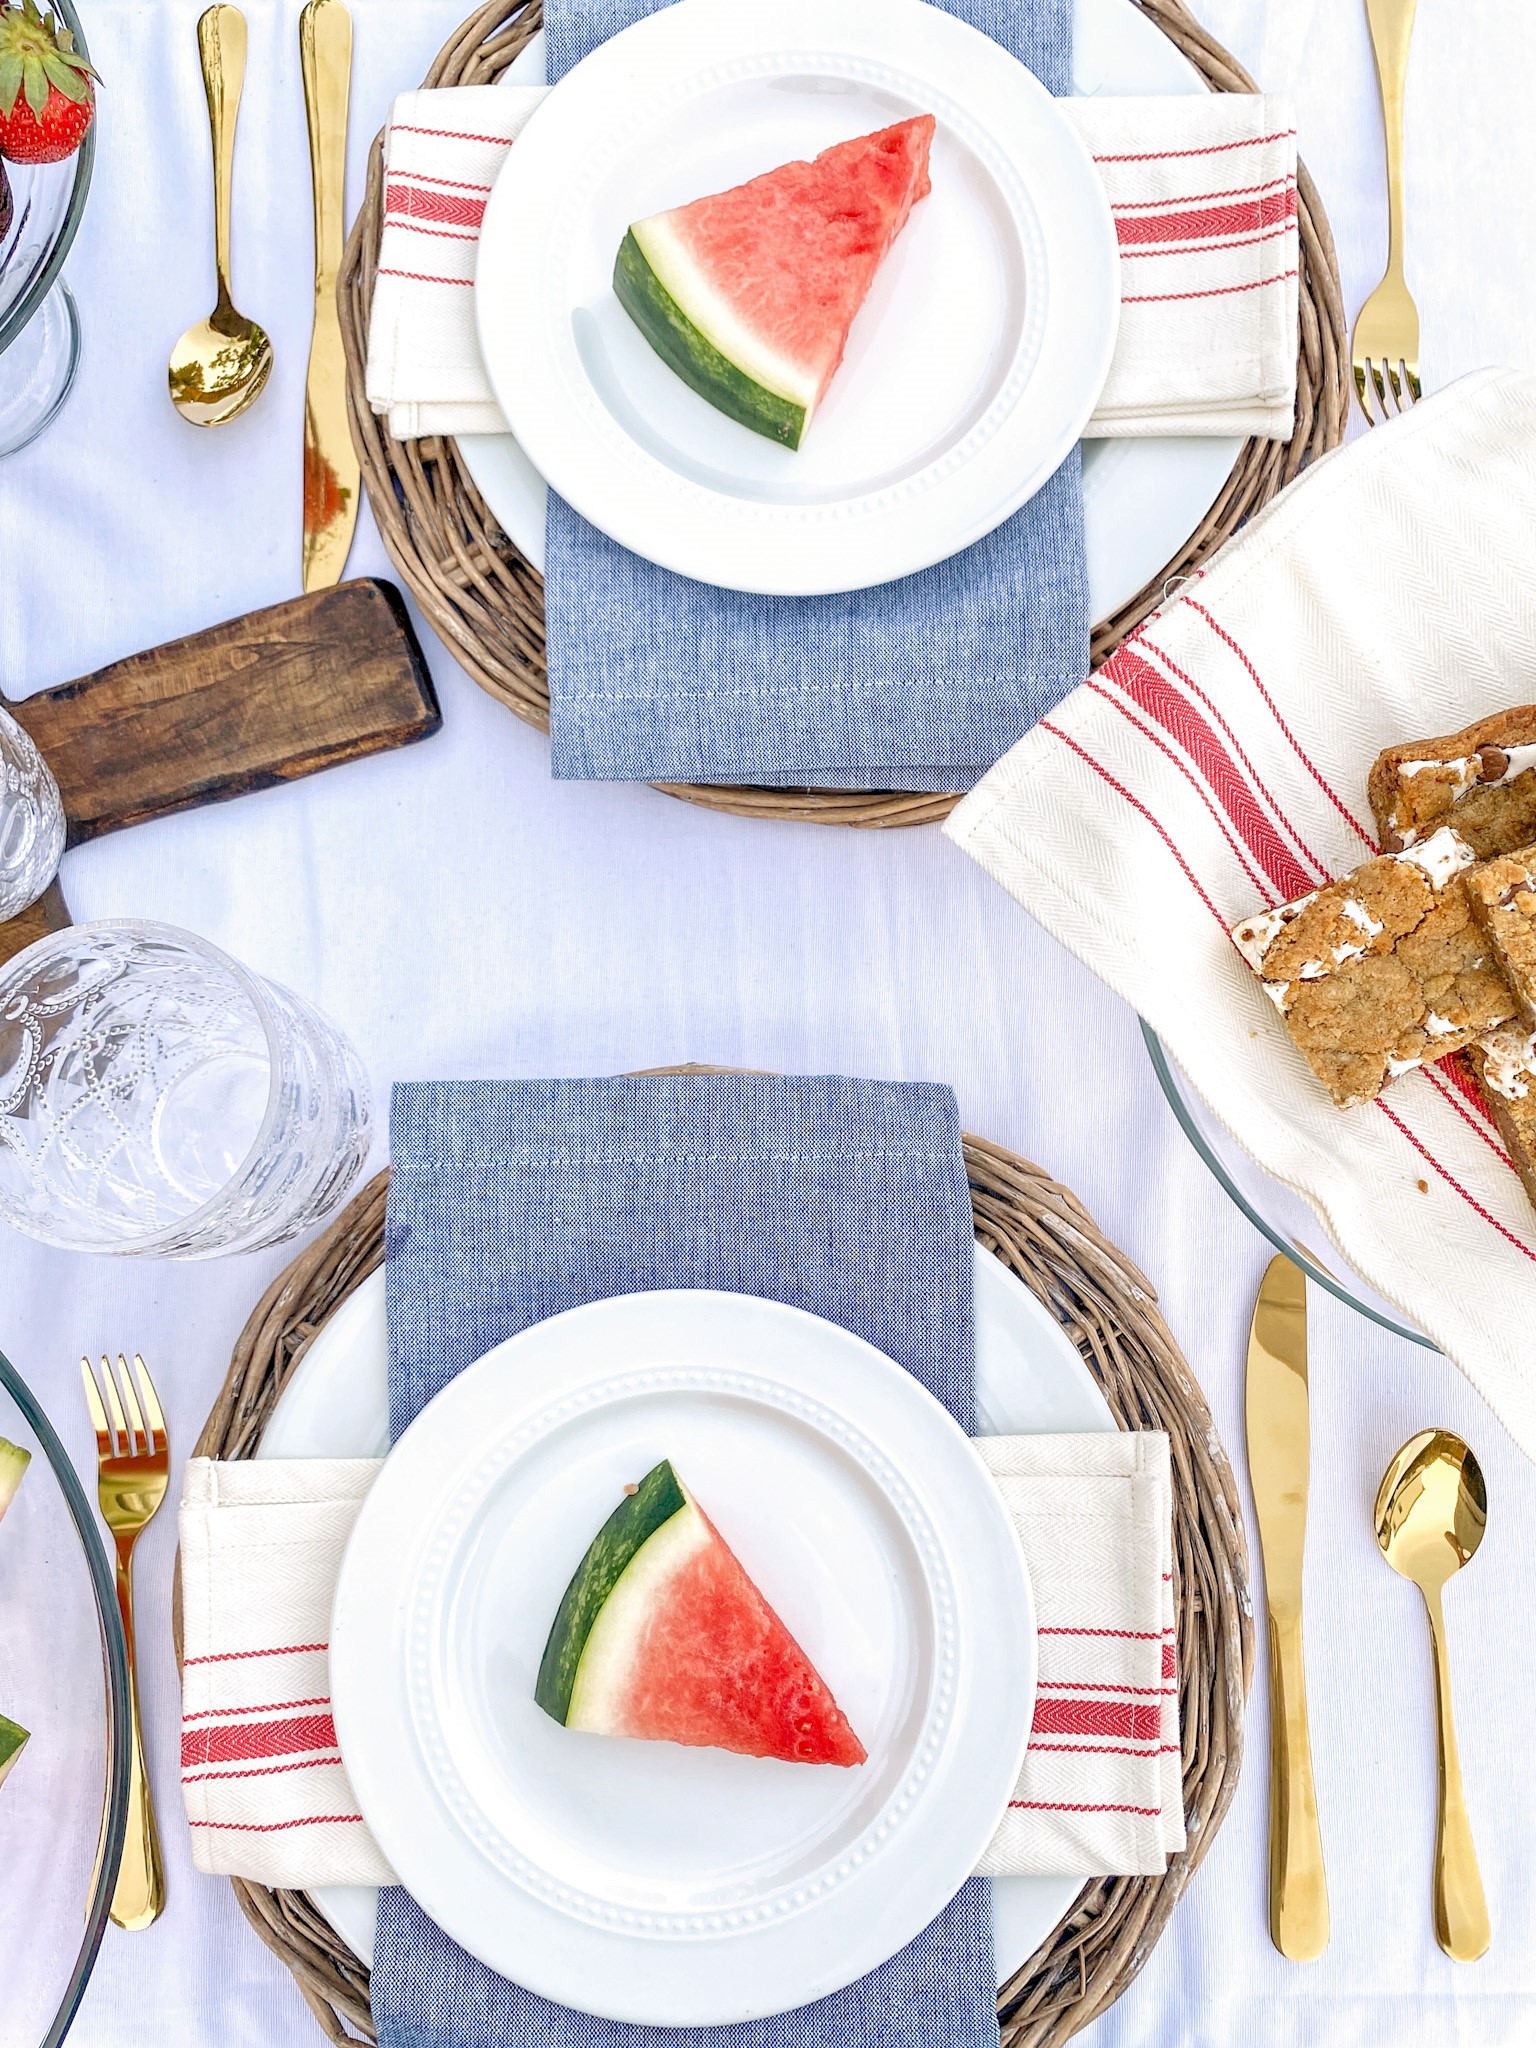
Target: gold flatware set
{"x":220,"y":366}
{"x":1429,"y":1517}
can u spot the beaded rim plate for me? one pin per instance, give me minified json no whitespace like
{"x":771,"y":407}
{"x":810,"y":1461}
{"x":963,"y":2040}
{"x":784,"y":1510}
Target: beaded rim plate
{"x":642,"y":1881}
{"x":971,"y":373}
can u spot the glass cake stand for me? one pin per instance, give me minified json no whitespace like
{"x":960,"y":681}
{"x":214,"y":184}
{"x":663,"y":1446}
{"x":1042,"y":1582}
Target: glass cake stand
{"x":39,"y":326}
{"x":1289,"y":1223}
{"x":60,"y":1837}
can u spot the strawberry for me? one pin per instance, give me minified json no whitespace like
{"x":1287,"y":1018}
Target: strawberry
{"x":46,"y":97}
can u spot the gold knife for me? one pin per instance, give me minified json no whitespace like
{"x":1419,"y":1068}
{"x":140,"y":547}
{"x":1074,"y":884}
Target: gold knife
{"x":331,"y":472}
{"x":1278,"y":1454}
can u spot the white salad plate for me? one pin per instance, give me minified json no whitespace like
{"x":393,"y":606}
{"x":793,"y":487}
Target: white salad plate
{"x":971,"y":370}
{"x":644,"y":1881}
{"x":1142,"y":498}
{"x":1029,"y":1377}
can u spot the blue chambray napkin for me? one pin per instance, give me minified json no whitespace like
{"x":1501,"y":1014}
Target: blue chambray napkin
{"x":918,"y":684}
{"x":513,"y":1200}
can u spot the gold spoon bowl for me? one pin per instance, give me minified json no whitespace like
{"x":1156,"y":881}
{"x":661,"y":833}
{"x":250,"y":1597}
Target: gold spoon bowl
{"x":1431,"y":1510}
{"x":220,"y":366}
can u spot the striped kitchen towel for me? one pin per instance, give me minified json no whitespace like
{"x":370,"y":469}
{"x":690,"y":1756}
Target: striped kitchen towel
{"x":267,"y":1795}
{"x":1203,"y":192}
{"x":266,"y":1792}
{"x":1217,"y":765}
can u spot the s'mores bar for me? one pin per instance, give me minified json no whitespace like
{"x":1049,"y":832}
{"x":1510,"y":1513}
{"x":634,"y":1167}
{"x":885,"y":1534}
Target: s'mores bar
{"x":1505,"y":1066}
{"x":1381,"y":970}
{"x":1503,"y":897}
{"x":1481,"y":782}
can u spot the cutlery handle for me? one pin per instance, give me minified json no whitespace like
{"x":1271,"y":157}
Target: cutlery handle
{"x":1461,"y":1911}
{"x":1391,"y":25}
{"x":325,"y":55}
{"x":138,"y":1899}
{"x":1298,"y":1887}
{"x":221,"y":45}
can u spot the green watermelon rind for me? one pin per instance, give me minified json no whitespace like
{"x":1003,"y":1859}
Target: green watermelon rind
{"x":13,"y":1740}
{"x":686,"y":349}
{"x":612,"y":1550}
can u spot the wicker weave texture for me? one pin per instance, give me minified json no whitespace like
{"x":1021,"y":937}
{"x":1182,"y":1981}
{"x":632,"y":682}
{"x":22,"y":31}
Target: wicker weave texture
{"x":1041,"y":1231}
{"x":487,"y":601}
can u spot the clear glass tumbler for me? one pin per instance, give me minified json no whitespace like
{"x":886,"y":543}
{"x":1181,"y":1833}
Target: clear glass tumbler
{"x":157,"y":1098}
{"x":31,"y":821}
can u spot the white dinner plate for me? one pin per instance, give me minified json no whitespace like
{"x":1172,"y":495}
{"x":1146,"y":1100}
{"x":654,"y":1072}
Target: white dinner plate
{"x":1141,"y":498}
{"x":971,"y":370}
{"x":643,"y":1881}
{"x":1029,"y":1376}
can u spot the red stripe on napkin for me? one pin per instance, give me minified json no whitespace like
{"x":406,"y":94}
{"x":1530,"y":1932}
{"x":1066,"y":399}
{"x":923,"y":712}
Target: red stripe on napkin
{"x":233,"y":1742}
{"x":1129,"y":1720}
{"x":237,"y":1656}
{"x":1274,"y":209}
{"x":1159,"y":156}
{"x":406,"y":202}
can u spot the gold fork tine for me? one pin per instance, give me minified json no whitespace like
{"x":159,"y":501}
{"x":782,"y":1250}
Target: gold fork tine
{"x":1397,"y":389}
{"x":151,"y":1398}
{"x":139,"y":1437}
{"x":97,"y":1413}
{"x":1381,"y":388}
{"x":1413,"y":383}
{"x":114,"y":1405}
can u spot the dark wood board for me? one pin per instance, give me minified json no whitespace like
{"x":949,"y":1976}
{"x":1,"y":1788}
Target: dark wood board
{"x":265,"y":698}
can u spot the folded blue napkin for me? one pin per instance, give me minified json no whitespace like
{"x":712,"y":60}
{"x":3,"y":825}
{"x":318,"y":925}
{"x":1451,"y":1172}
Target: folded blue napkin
{"x":513,"y":1200}
{"x":918,"y":684}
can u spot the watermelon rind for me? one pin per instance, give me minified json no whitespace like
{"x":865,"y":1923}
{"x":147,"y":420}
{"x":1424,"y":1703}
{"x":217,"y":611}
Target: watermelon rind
{"x":632,"y":1525}
{"x":649,"y":294}
{"x":13,"y":1740}
{"x":13,"y":1465}
{"x":604,"y":1676}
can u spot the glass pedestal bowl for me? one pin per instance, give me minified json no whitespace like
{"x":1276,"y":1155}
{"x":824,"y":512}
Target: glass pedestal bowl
{"x":39,"y":326}
{"x":64,"y":1805}
{"x":1277,"y":1213}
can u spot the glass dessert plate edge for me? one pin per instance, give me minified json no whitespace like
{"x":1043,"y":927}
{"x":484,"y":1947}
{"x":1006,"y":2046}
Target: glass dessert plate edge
{"x":1175,"y":1088}
{"x":85,"y":157}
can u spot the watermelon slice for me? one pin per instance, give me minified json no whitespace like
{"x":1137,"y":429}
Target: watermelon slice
{"x":661,"y":1635}
{"x":13,"y":1466}
{"x":749,"y":294}
{"x":13,"y":1740}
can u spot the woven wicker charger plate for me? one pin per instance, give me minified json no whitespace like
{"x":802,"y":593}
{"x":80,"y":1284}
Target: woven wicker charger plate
{"x":487,"y":601}
{"x":1043,"y":1233}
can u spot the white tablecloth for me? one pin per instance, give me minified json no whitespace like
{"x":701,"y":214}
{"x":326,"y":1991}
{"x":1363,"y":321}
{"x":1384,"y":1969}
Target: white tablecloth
{"x":460,"y":914}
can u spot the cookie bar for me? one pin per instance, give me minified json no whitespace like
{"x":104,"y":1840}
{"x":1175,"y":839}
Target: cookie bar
{"x":1380,"y":970}
{"x":1503,"y":897}
{"x":1482,"y":782}
{"x":1505,"y":1066}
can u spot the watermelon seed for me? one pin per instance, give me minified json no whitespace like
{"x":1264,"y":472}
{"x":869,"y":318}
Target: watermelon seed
{"x":631,"y":1489}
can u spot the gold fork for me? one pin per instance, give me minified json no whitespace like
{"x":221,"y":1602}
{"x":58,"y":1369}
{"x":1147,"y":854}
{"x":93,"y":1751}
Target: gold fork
{"x":133,"y":1459}
{"x":1386,"y":337}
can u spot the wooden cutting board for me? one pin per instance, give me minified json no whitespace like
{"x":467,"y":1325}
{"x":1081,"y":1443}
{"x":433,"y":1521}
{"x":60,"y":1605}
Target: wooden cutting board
{"x":265,"y":698}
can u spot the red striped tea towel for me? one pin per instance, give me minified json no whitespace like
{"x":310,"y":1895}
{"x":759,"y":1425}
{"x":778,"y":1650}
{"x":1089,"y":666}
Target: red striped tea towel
{"x":1203,"y":190}
{"x":1218,"y":763}
{"x":266,"y":1792}
{"x":268,"y":1798}
{"x":1101,"y":1793}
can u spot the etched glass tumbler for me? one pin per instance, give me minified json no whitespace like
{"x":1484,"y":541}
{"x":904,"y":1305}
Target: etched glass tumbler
{"x":31,"y":821}
{"x":157,"y":1098}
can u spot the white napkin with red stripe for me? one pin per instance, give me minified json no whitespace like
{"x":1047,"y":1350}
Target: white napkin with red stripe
{"x":268,"y":1797}
{"x":1217,"y":763}
{"x":1203,"y":191}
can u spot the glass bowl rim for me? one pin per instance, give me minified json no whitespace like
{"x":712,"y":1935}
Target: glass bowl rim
{"x":119,"y":1712}
{"x":1162,"y":1066}
{"x":85,"y":158}
{"x":251,"y":986}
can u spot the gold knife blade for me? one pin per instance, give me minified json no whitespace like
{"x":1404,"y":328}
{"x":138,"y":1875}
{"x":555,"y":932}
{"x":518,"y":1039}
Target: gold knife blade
{"x":331,"y":472}
{"x":1278,"y":1422}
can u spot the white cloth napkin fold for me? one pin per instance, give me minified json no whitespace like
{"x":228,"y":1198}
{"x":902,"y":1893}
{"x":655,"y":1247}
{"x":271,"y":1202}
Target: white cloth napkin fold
{"x":1202,"y":188}
{"x":268,"y":1796}
{"x":1217,"y":764}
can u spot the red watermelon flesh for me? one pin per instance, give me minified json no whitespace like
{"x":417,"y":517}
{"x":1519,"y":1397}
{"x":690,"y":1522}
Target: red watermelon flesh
{"x":687,"y":1650}
{"x":773,"y":272}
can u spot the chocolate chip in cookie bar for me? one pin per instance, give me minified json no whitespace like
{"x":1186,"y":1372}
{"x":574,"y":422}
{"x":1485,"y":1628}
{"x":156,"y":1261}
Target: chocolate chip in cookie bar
{"x":1481,"y":782}
{"x":1381,"y":970}
{"x":1503,"y":897}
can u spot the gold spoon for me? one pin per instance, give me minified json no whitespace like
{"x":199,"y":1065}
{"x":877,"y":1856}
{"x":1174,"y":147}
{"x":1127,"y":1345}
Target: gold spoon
{"x":219,"y":367}
{"x":1431,"y":1510}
